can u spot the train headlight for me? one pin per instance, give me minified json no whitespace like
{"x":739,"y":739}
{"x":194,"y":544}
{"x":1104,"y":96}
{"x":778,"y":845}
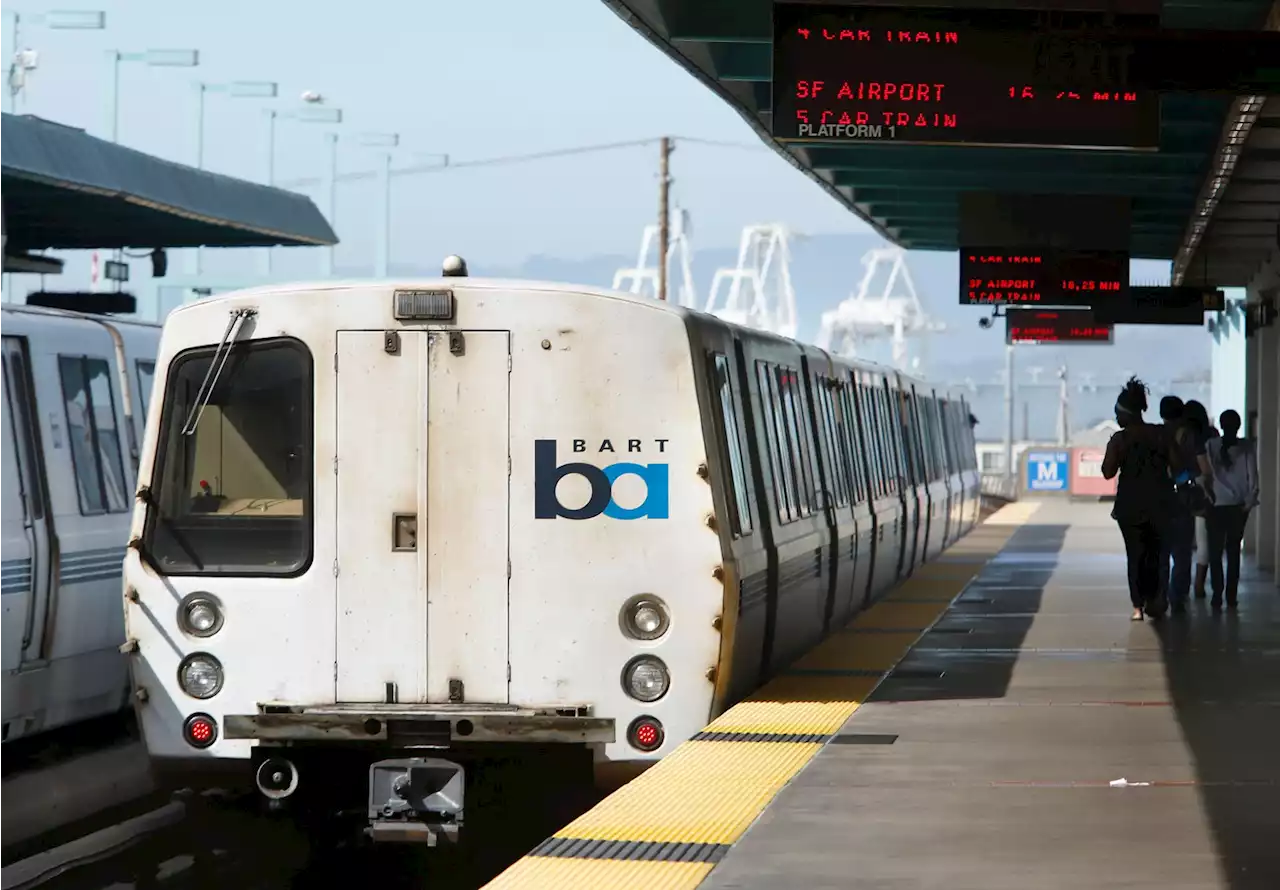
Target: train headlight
{"x":200,"y":615}
{"x":646,"y":679}
{"x":200,"y":675}
{"x":645,"y":617}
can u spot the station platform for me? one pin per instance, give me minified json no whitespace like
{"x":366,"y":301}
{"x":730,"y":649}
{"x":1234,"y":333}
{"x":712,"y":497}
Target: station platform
{"x":996,"y":722}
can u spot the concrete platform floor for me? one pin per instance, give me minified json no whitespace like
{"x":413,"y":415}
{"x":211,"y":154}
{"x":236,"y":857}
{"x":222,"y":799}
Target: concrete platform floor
{"x":985,"y":761}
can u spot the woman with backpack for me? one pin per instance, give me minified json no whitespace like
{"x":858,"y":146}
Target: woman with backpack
{"x":1236,"y":492}
{"x":1142,"y":454}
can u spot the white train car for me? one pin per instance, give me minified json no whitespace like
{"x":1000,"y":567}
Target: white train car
{"x":384,"y":520}
{"x":75,"y":394}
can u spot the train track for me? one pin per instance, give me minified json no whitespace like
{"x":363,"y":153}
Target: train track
{"x":212,"y":841}
{"x":51,"y":749}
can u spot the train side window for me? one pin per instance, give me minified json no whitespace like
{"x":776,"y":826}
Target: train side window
{"x":897,"y":438}
{"x":927,"y":429}
{"x":96,"y":457}
{"x":907,"y":430}
{"x":772,"y":430}
{"x":841,"y":450}
{"x":727,"y":421}
{"x":797,"y":439}
{"x":146,"y":378}
{"x":970,"y":440}
{"x":832,"y":442}
{"x":19,"y":394}
{"x":853,"y":439}
{"x":935,"y":444}
{"x":875,"y":448}
{"x":912,"y":409}
{"x":890,"y":440}
{"x":949,"y":437}
{"x":866,"y":436}
{"x":872,"y":441}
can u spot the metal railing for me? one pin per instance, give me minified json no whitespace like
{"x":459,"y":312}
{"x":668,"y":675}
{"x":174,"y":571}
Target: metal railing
{"x":998,"y":485}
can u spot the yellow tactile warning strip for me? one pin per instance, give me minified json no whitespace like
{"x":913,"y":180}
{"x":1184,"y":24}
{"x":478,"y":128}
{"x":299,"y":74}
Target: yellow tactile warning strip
{"x":667,"y":829}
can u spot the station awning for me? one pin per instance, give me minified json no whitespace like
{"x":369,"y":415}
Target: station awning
{"x":64,"y":189}
{"x":911,"y":194}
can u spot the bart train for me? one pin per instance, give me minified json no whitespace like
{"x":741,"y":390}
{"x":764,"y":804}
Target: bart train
{"x":384,"y":528}
{"x":76,"y":389}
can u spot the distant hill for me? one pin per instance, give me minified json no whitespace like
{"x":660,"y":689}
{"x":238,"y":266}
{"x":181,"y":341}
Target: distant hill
{"x":825,"y":269}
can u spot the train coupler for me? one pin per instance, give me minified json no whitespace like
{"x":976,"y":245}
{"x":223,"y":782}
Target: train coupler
{"x":415,"y":800}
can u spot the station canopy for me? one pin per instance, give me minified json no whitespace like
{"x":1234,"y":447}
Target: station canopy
{"x":911,"y":193}
{"x":64,"y":189}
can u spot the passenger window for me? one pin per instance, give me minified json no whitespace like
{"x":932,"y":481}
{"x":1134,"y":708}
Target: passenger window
{"x":234,"y":496}
{"x":775,"y":441}
{"x":18,"y":393}
{"x":929,"y":455}
{"x":853,"y":440}
{"x":740,"y":512}
{"x":833,"y":443}
{"x":949,"y":437}
{"x":146,"y":378}
{"x":797,"y":439}
{"x":91,"y":430}
{"x":890,"y":441}
{"x":896,"y":438}
{"x":875,"y":447}
{"x":935,"y":439}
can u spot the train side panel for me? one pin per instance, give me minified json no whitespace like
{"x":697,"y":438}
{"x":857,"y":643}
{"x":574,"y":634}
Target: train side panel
{"x":69,"y":448}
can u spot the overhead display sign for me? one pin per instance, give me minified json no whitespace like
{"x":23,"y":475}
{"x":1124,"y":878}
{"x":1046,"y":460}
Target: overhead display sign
{"x":945,"y":76}
{"x":1037,"y":326}
{"x":1162,"y":305}
{"x":1042,"y":277}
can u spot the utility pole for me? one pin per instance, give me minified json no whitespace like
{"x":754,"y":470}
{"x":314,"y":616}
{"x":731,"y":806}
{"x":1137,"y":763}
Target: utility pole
{"x":664,"y":216}
{"x":1064,"y":409}
{"x":1008,"y":417}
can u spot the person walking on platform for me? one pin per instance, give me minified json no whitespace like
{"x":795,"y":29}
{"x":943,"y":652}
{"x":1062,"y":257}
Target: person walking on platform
{"x":1236,"y":492}
{"x":1141,"y":453}
{"x":1190,"y":471}
{"x":1198,"y":416}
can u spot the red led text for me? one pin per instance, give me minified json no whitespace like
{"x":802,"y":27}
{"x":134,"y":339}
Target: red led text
{"x":864,"y":35}
{"x":873,"y":90}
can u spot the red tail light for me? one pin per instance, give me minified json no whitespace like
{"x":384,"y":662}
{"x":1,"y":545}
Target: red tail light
{"x":645,"y":734}
{"x":200,"y":730}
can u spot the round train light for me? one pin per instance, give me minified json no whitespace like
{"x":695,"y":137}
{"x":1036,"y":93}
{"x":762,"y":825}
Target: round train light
{"x":645,"y":617}
{"x":200,"y":730}
{"x":200,"y":675}
{"x":645,"y":734}
{"x":646,"y":679}
{"x":200,"y":615}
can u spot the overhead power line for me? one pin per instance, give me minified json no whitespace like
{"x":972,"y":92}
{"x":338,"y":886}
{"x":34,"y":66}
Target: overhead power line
{"x":508,"y":160}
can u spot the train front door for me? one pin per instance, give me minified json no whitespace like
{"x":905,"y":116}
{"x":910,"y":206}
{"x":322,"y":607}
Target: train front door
{"x":422,"y":496}
{"x":381,"y":442}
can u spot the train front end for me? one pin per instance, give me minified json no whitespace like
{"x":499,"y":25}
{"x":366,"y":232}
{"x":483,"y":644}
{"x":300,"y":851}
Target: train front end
{"x":388,"y":534}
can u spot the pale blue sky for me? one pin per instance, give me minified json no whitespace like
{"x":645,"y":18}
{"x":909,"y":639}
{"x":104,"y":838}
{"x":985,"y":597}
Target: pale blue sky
{"x":474,"y":80}
{"x":470,"y":79}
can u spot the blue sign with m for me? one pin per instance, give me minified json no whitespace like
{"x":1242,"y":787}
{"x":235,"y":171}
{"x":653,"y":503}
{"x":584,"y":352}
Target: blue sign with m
{"x":1047,"y":470}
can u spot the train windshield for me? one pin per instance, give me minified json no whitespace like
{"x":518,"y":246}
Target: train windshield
{"x":232,"y":492}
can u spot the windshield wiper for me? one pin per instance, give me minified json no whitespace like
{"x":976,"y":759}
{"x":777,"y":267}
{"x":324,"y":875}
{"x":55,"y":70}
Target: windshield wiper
{"x":220,"y":356}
